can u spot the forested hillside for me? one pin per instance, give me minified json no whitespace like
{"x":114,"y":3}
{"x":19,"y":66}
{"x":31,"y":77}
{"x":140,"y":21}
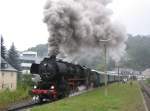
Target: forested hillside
{"x":41,"y":49}
{"x":138,"y":52}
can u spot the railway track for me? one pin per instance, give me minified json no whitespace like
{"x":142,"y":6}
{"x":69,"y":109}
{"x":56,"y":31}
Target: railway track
{"x":146,"y":93}
{"x":145,"y":88}
{"x":25,"y":105}
{"x":22,"y":106}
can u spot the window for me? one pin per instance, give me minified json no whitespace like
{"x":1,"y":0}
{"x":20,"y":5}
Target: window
{"x":11,"y":85}
{"x":27,"y":61}
{"x":2,"y":85}
{"x":29,"y":55}
{"x":3,"y":74}
{"x":4,"y":65}
{"x":5,"y":86}
{"x":12,"y":74}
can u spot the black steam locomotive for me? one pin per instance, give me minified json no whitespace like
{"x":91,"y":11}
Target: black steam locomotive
{"x":60,"y":78}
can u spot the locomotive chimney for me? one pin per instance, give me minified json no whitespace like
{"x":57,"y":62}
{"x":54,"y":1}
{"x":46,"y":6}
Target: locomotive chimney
{"x":53,"y":57}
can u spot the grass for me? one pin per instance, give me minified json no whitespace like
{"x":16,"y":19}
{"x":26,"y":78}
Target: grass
{"x":8,"y":97}
{"x":120,"y":97}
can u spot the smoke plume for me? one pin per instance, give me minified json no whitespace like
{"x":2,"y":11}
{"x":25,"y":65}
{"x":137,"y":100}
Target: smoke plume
{"x":75,"y":26}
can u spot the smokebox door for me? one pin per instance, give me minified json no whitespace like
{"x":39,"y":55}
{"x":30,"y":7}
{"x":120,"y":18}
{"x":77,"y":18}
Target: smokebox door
{"x":34,"y":68}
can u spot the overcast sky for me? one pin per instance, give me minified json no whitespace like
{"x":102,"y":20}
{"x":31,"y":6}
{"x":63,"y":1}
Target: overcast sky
{"x":21,"y":20}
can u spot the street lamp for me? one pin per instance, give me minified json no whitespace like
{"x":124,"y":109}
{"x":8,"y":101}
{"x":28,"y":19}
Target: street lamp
{"x":105,"y":41}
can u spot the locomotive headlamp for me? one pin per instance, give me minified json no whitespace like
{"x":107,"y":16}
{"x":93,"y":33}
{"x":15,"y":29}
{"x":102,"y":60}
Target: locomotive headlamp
{"x":35,"y":87}
{"x":52,"y":87}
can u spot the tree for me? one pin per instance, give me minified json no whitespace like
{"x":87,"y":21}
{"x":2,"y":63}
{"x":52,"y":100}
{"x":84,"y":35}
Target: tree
{"x":41,"y":49}
{"x":138,"y":52}
{"x":3,"y":48}
{"x":13,"y":57}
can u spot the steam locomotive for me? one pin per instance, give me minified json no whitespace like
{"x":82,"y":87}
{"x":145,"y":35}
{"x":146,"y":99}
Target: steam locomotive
{"x":60,"y":78}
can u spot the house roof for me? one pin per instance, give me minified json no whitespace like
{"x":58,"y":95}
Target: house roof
{"x":8,"y":68}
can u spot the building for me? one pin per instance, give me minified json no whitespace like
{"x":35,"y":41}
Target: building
{"x":26,"y":59}
{"x":8,"y":76}
{"x":146,"y":74}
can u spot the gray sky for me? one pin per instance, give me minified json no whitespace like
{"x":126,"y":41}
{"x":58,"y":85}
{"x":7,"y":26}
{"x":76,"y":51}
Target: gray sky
{"x":21,"y":20}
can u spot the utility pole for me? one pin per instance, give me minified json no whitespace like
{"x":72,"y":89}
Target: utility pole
{"x":105,"y":66}
{"x":105,"y":54}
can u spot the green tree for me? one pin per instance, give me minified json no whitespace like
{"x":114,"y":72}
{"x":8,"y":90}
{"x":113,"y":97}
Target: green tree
{"x":3,"y":48}
{"x":138,"y":52}
{"x":41,"y":49}
{"x":13,"y":57}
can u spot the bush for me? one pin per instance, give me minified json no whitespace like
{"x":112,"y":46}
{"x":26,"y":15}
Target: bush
{"x":8,"y":97}
{"x":25,"y":80}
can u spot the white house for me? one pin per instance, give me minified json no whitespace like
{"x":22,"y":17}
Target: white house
{"x":27,"y":58}
{"x":8,"y":76}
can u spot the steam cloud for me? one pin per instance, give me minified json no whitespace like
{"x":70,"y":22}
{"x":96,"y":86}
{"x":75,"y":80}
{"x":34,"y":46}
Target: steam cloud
{"x":75,"y":26}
